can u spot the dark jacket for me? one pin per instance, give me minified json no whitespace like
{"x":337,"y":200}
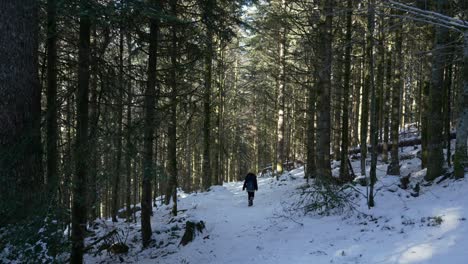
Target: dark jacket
{"x":250,"y":178}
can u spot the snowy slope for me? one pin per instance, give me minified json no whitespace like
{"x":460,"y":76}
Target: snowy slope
{"x":431,"y":228}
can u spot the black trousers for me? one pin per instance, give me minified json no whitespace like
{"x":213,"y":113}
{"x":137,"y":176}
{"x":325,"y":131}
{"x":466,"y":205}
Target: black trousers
{"x":251,"y":194}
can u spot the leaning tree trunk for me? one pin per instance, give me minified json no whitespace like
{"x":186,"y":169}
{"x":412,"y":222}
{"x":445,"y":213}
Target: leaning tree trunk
{"x":149,"y":123}
{"x":81,"y":144}
{"x":323,"y":89}
{"x":461,"y":150}
{"x":20,"y":109}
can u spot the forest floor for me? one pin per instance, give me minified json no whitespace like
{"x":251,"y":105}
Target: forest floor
{"x":430,"y":228}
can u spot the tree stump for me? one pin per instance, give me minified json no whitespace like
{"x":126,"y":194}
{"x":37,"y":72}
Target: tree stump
{"x":191,"y":230}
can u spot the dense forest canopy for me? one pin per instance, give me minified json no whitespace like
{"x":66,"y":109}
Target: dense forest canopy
{"x":108,"y":104}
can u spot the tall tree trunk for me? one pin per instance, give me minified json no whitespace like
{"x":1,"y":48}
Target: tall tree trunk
{"x":208,"y":21}
{"x":311,"y":166}
{"x":172,"y":128}
{"x":149,"y":123}
{"x":129,"y":144}
{"x":67,"y":159}
{"x":281,"y":86}
{"x":337,"y":105}
{"x":118,"y":160}
{"x":374,"y":130}
{"x":52,"y":131}
{"x":20,"y":109}
{"x":365,"y":109}
{"x":435,"y":156}
{"x":344,"y":170}
{"x":81,"y":144}
{"x":386,"y":104}
{"x":447,"y":103}
{"x":424,"y":121}
{"x":93,"y":128}
{"x":380,"y":78}
{"x":221,"y":117}
{"x":461,"y":151}
{"x":394,"y":166}
{"x":357,"y":101}
{"x":323,"y":90}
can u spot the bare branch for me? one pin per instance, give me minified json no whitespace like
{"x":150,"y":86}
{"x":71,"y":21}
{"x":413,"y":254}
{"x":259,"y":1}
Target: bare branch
{"x":429,"y":16}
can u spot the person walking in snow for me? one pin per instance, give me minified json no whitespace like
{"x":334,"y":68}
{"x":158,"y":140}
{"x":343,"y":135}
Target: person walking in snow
{"x":250,"y":183}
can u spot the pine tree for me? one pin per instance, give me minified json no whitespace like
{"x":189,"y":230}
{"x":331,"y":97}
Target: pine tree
{"x":81,"y":146}
{"x":149,"y":105}
{"x":323,"y":90}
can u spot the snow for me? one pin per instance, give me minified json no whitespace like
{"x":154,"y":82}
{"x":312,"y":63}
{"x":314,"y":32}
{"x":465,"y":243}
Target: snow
{"x":429,"y":228}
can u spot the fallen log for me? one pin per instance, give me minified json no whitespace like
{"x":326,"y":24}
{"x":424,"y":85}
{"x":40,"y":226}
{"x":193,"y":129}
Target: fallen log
{"x":402,"y":143}
{"x":108,"y":235}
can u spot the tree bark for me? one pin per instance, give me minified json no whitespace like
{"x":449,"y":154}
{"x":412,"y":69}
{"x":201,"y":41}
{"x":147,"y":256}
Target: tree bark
{"x":51,"y":119}
{"x":81,"y":145}
{"x":172,"y":128}
{"x":129,"y":143}
{"x":281,"y":86}
{"x":149,"y":123}
{"x":386,"y":104}
{"x":461,"y":149}
{"x":365,"y":108}
{"x":311,"y":167}
{"x":394,"y":166}
{"x":435,"y":157}
{"x":118,"y":143}
{"x":209,"y":23}
{"x":323,"y":90}
{"x":344,"y":170}
{"x":20,"y":108}
{"x":374,"y":130}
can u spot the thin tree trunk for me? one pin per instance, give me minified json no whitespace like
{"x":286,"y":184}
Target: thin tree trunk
{"x":311,"y":167}
{"x":365,"y":109}
{"x":93,"y":123}
{"x":447,"y":105}
{"x":221,"y":117}
{"x":129,"y":147}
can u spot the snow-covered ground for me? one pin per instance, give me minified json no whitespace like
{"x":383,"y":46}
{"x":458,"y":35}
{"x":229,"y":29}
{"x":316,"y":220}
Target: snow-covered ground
{"x":430,"y":228}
